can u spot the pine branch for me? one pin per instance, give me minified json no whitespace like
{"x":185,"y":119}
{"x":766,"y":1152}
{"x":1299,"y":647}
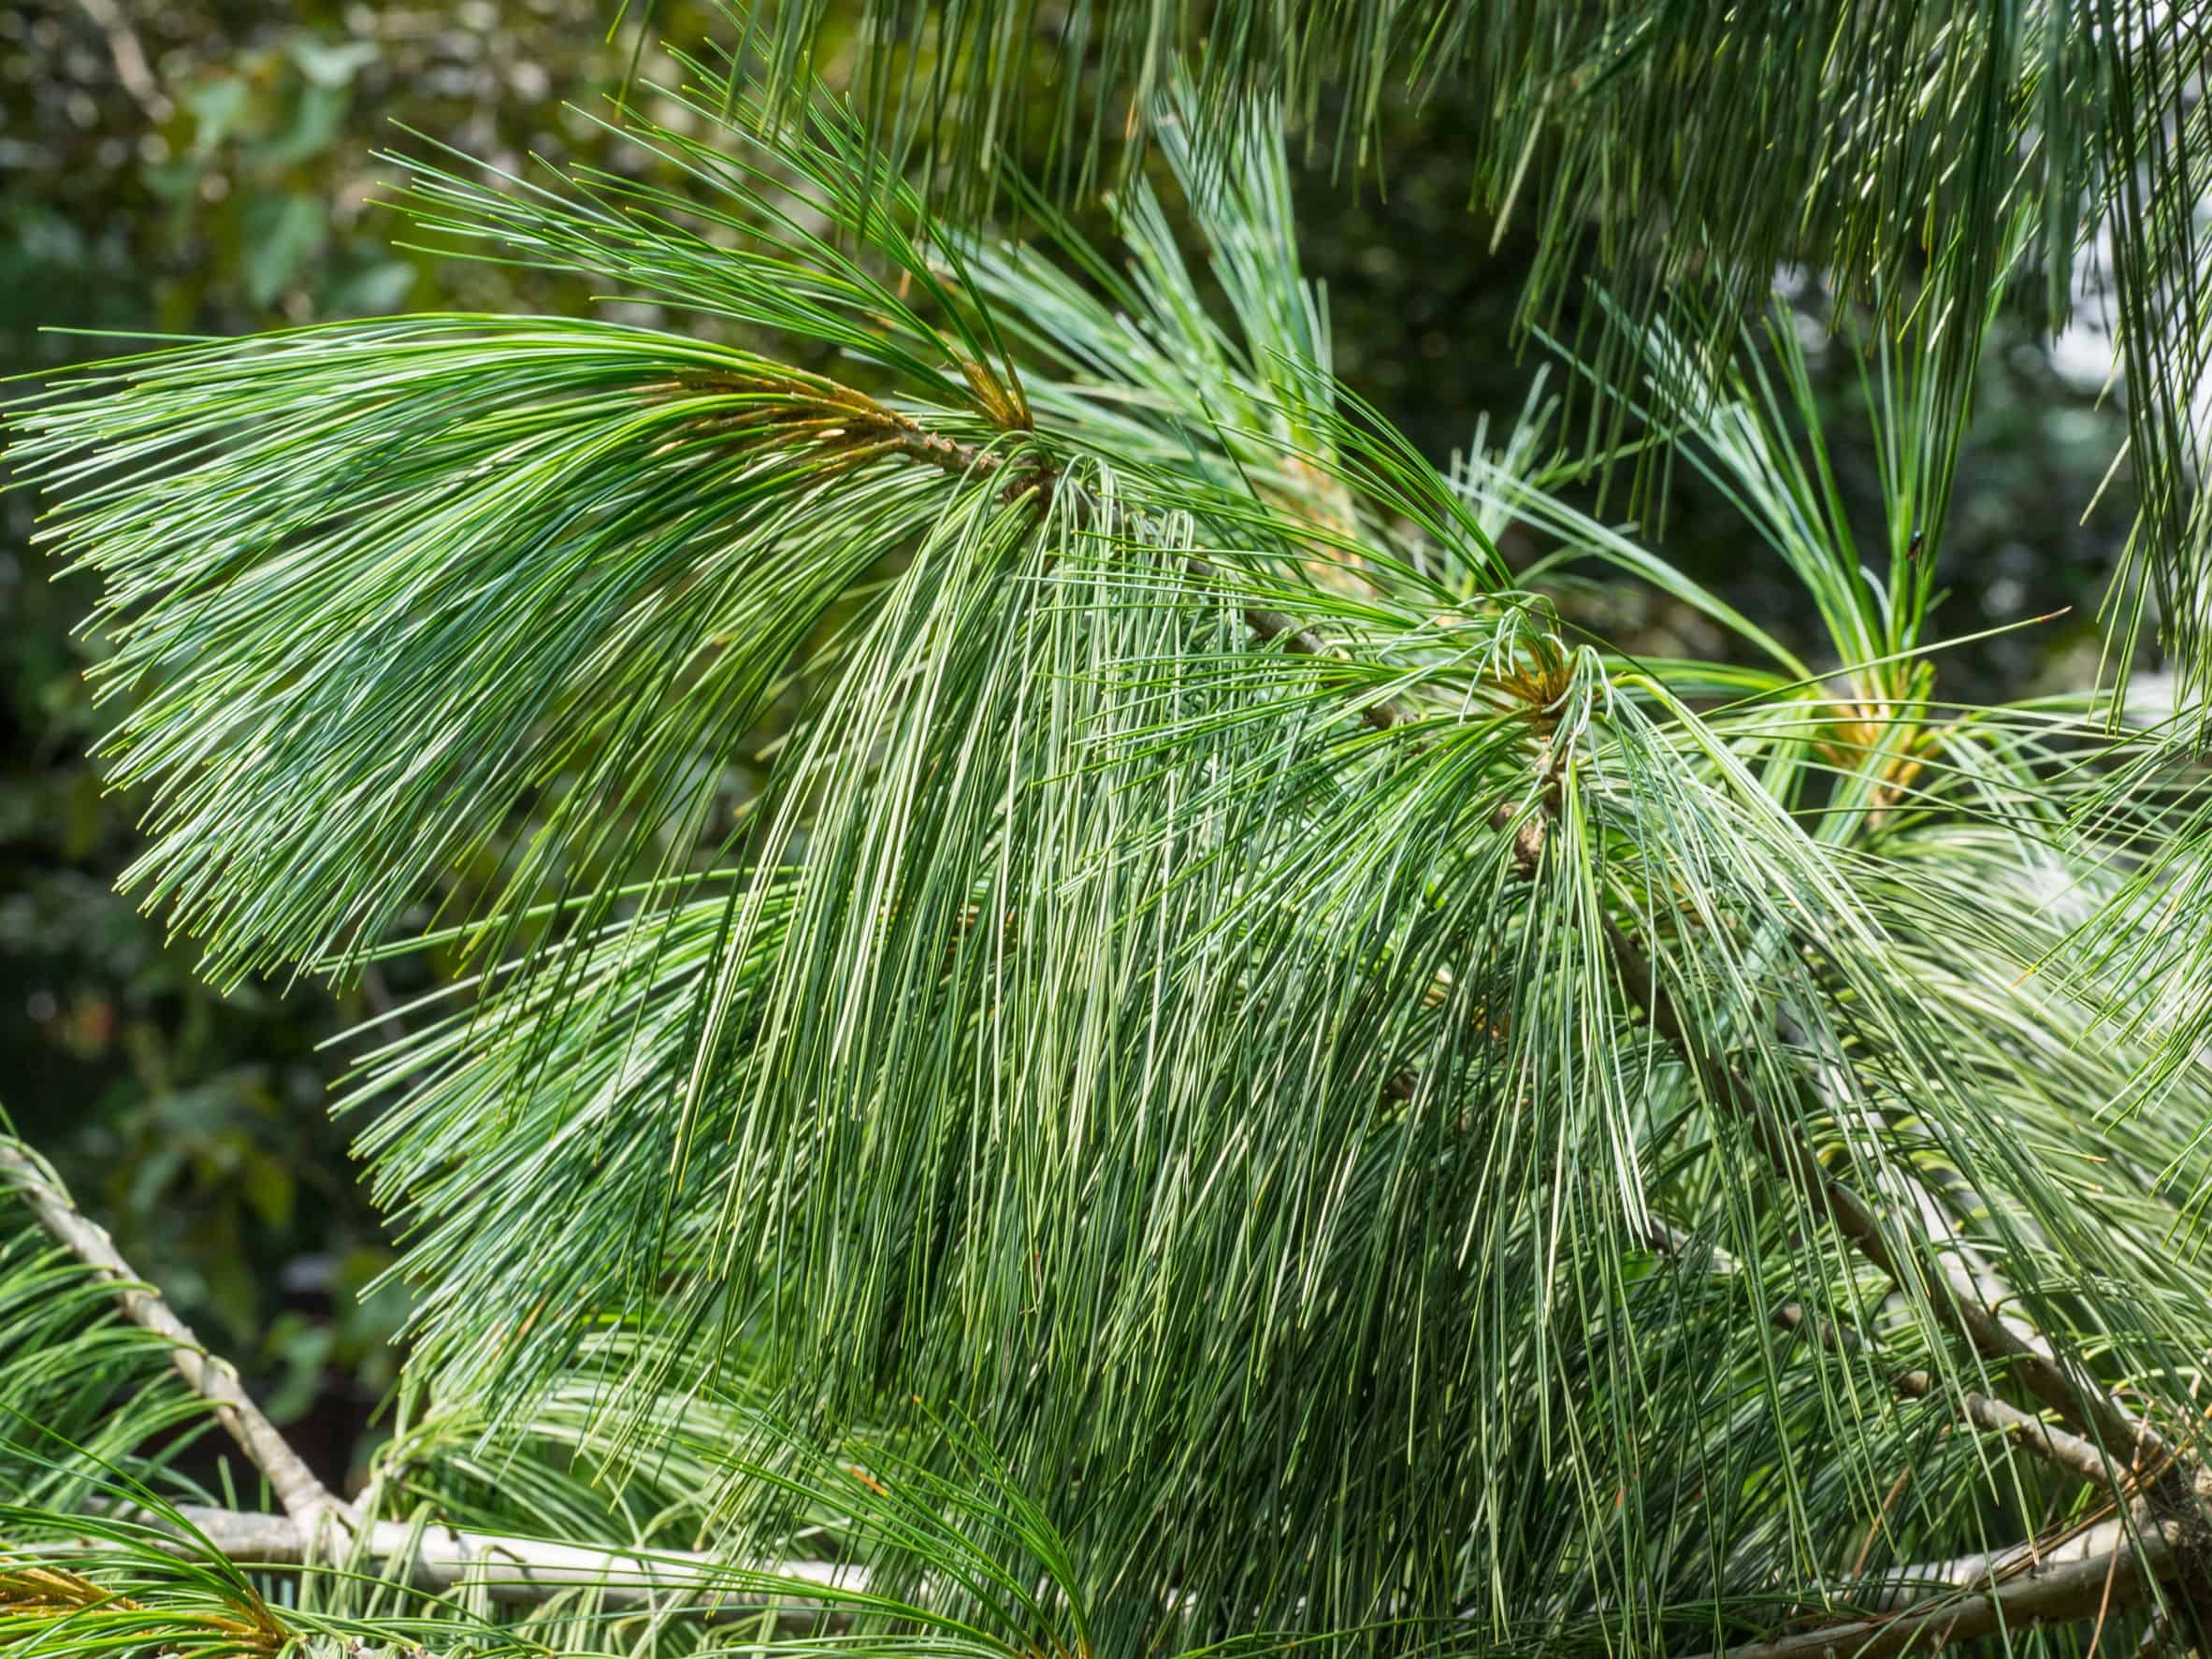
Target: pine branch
{"x":2044,"y":1592}
{"x":1899,"y":1588}
{"x":2054,"y":1446}
{"x":305,"y":1498}
{"x":2078,"y":1401}
{"x":1968,"y":1307}
{"x":847,"y":423}
{"x":2098,"y":1570}
{"x":511,"y":1570}
{"x":2102,"y":1568}
{"x":518,"y":1571}
{"x":1271,"y":626}
{"x":612,"y":559}
{"x":1974,"y":1294}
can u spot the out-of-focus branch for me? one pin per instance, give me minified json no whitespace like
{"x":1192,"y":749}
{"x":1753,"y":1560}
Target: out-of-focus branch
{"x":132,"y":67}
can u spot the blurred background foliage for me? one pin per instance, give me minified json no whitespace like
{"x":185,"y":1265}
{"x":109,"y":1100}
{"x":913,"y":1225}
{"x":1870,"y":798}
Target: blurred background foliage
{"x":212,"y":166}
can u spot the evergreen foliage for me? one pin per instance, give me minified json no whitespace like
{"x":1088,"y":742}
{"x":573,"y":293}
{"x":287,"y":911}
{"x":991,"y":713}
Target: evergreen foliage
{"x":1242,"y":1079}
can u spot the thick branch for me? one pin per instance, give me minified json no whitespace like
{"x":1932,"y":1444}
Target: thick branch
{"x":2054,"y":1446}
{"x":519,"y":1572}
{"x":2046,"y":1591}
{"x":305,"y":1498}
{"x":2021,"y":1586}
{"x":1915,"y":1582}
{"x":2078,"y":1401}
{"x":1971,"y":1274}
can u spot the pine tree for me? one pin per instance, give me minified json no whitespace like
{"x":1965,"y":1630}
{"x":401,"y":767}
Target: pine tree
{"x":1239,"y":1077}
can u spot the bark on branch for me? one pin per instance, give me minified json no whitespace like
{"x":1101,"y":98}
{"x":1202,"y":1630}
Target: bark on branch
{"x":2076,"y":1399}
{"x":2052,"y":1590}
{"x":2054,"y":1446}
{"x":518,"y":1571}
{"x":513,"y":1570}
{"x":305,"y":1498}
